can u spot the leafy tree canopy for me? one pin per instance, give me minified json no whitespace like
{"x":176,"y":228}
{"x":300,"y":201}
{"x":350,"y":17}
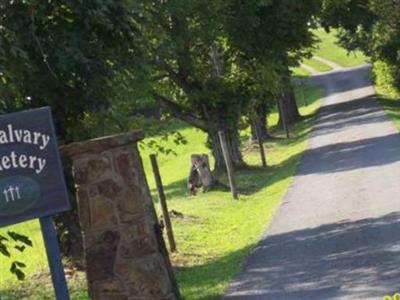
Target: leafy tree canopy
{"x":369,"y":25}
{"x":64,"y":54}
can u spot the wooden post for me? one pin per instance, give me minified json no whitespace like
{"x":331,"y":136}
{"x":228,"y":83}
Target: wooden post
{"x":260,"y":145}
{"x":228,"y":162}
{"x":283,"y":117}
{"x":163,"y":202}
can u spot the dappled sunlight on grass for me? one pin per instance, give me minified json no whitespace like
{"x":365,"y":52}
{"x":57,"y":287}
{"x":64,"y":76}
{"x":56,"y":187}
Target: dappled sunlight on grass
{"x":34,"y":257}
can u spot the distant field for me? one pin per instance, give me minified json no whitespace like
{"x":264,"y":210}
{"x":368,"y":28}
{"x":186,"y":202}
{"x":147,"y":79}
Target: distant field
{"x":317,"y":65}
{"x":328,"y":49}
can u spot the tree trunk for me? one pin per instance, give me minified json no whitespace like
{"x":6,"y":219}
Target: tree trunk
{"x":232,"y":139}
{"x":288,"y":101}
{"x":211,"y":127}
{"x":258,"y":123}
{"x":289,"y":108}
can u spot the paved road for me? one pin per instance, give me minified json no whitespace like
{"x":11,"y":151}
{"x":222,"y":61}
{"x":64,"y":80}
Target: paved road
{"x":337,"y":233}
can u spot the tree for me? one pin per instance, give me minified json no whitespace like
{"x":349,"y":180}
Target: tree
{"x":204,"y":60}
{"x":277,"y":34}
{"x":194,"y":73}
{"x":65,"y":54}
{"x":370,"y":26}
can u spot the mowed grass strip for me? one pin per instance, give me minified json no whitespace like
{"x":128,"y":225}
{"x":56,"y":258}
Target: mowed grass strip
{"x":317,"y":65}
{"x":216,"y":233}
{"x":299,"y":72}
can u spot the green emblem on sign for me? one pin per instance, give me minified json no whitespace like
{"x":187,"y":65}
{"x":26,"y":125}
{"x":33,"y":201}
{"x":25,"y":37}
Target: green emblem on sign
{"x":17,"y":195}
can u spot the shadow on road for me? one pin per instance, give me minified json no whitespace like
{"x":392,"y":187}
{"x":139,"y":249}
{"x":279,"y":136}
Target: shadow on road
{"x":320,"y":263}
{"x":349,"y":156}
{"x":334,"y":117}
{"x":344,"y":80}
{"x":360,"y":153}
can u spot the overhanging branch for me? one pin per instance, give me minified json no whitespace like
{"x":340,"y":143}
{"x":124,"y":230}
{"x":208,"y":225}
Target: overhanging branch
{"x":178,"y":112}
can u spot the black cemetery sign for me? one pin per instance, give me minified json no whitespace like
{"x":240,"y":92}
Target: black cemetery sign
{"x":32,"y":183}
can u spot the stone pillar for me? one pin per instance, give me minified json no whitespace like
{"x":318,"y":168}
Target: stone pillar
{"x":126,"y":258}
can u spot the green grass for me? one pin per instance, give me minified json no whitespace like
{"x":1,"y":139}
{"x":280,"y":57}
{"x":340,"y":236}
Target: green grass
{"x":391,"y":104}
{"x":329,"y":49}
{"x":317,"y":65}
{"x":37,"y":284}
{"x":33,"y":257}
{"x":216,"y":233}
{"x":299,"y":72}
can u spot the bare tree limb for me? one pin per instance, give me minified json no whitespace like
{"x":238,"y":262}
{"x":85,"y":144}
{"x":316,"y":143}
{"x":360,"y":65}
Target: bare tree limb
{"x":39,"y":45}
{"x":178,"y":112}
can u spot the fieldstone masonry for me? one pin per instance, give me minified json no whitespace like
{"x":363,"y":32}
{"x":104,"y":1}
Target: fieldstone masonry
{"x":125,"y":254}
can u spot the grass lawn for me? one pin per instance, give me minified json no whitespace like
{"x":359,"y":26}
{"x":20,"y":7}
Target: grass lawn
{"x":317,"y":65}
{"x":33,"y":257}
{"x":391,"y":103}
{"x":299,"y":72}
{"x":328,"y":49}
{"x":216,"y":233}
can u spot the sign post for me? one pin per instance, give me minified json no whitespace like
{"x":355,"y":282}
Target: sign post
{"x":54,"y":258}
{"x":32,"y":183}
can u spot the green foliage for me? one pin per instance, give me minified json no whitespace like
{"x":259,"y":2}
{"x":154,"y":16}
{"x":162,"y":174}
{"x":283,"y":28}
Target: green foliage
{"x":329,"y":48}
{"x":209,"y":64}
{"x":269,"y":30}
{"x":352,"y":16}
{"x":272,"y":36}
{"x":19,"y":243}
{"x":191,"y":62}
{"x":391,"y":103}
{"x":371,"y":26}
{"x":64,"y":54}
{"x":33,"y":257}
{"x":386,"y":77}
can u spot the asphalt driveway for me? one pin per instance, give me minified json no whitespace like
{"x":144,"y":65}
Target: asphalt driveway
{"x":337,"y":233}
